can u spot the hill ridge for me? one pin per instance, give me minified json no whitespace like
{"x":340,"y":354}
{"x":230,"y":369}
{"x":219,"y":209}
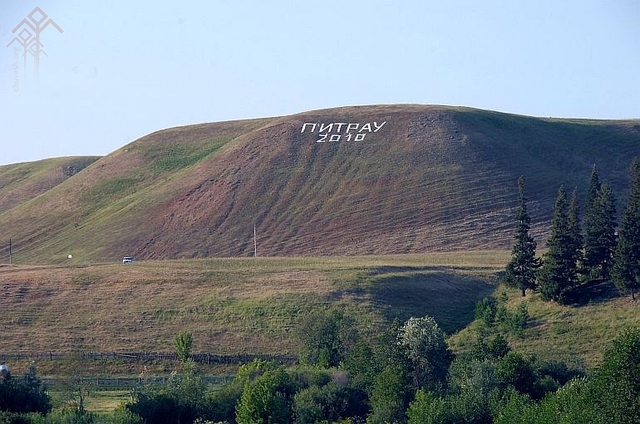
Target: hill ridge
{"x":390,"y":179}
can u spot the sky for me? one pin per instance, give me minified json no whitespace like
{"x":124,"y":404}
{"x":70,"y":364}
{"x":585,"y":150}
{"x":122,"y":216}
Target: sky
{"x":111,"y":72}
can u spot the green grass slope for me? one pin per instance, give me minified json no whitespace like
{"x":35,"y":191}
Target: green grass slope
{"x":577,"y":334}
{"x":254,"y":305}
{"x":22,"y":182}
{"x":430,"y":179}
{"x":232,"y":306}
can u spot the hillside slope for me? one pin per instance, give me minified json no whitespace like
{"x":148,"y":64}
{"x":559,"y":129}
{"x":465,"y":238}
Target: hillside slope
{"x":22,"y":182}
{"x":382,"y":180}
{"x":232,"y":305}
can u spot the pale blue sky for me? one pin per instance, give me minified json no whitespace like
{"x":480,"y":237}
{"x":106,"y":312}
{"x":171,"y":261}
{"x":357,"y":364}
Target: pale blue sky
{"x":122,"y":69}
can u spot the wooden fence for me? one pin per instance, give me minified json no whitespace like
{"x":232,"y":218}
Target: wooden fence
{"x":120,"y":383}
{"x":201,"y":358}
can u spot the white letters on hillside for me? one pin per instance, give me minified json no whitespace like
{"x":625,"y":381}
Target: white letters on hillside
{"x":341,"y":131}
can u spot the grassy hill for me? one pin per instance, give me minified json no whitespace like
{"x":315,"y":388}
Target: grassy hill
{"x":22,"y":182}
{"x":430,"y":178}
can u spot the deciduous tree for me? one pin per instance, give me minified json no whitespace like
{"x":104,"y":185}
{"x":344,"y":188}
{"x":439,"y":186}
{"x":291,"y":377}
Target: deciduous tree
{"x":389,"y":396}
{"x":618,"y":381}
{"x":326,"y":337}
{"x":24,"y":394}
{"x":423,"y":342}
{"x":183,"y":342}
{"x":268,"y":399}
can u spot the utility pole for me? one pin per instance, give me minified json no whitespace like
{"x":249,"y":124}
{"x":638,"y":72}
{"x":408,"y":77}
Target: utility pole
{"x":255,"y":242}
{"x":10,"y":254}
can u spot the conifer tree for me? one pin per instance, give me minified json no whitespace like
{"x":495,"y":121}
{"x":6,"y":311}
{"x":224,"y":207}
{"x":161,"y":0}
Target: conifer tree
{"x":521,"y":269}
{"x":606,"y":222}
{"x":591,"y":232}
{"x":558,"y":272}
{"x":599,"y":227}
{"x":574,"y":229}
{"x":626,"y":259}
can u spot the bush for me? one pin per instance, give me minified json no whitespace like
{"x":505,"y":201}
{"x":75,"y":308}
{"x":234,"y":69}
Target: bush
{"x":24,"y":395}
{"x":497,"y":348}
{"x":70,"y":416}
{"x":326,"y":337}
{"x":518,"y":321}
{"x":181,"y":400}
{"x":268,"y":399}
{"x":486,"y":311}
{"x":321,"y":403}
{"x":389,"y":397}
{"x":516,"y":371}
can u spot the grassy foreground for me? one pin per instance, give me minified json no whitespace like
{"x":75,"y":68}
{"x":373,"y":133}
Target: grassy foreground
{"x":576,"y":334}
{"x":231,"y":306}
{"x":254,"y":305}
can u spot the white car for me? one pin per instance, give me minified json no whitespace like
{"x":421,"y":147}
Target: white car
{"x":128,"y":259}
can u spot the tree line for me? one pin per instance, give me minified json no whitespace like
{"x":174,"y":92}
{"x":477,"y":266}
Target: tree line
{"x":579,"y":251}
{"x":406,"y":374}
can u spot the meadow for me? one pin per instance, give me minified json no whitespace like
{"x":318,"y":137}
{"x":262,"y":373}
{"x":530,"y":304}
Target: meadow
{"x":231,"y":306}
{"x":240,"y":306}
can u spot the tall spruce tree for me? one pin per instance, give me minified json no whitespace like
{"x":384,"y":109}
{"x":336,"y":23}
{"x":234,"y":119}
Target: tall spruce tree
{"x":558,"y":272}
{"x":606,"y":222}
{"x":574,"y":229}
{"x":591,"y":232}
{"x":521,"y":269}
{"x":599,"y":227}
{"x":626,"y":259}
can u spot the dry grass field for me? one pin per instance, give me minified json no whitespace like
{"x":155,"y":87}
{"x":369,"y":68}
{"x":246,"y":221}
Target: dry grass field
{"x":232,"y":306}
{"x":253,"y":306}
